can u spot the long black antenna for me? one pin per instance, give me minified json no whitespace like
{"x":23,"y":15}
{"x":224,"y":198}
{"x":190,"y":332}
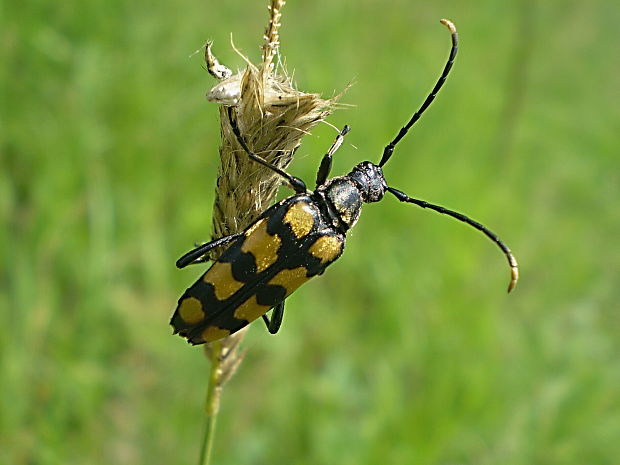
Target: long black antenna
{"x":512,"y":261}
{"x":389,"y":149}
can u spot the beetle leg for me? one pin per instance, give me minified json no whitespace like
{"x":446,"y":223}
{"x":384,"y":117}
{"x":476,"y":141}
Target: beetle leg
{"x":273,"y":325}
{"x":204,"y":259}
{"x":197,"y":255}
{"x":326,"y":162}
{"x":296,"y":184}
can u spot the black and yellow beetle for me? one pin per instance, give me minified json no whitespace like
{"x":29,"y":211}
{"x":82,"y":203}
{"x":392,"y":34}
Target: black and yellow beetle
{"x":293,"y":241}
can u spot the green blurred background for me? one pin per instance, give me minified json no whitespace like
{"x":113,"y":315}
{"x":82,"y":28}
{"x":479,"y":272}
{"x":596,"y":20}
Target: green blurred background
{"x":408,"y":350}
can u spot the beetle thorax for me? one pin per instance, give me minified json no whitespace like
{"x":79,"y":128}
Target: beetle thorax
{"x":345,"y":194}
{"x":344,"y":201}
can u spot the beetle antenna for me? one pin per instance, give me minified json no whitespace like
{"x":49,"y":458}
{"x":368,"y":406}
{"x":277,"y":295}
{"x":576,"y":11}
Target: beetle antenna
{"x":512,"y":261}
{"x":389,"y":149}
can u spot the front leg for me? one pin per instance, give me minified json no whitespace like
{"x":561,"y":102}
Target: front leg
{"x":296,"y":184}
{"x":326,"y":162}
{"x":273,"y":325}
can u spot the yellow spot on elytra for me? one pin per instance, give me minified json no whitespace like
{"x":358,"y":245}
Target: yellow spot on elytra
{"x":250,"y":310}
{"x":300,"y":217}
{"x":290,"y":279}
{"x":213,"y":333}
{"x":262,"y":245}
{"x":224,"y":284}
{"x":326,"y":248}
{"x":254,"y":227}
{"x":190,"y":310}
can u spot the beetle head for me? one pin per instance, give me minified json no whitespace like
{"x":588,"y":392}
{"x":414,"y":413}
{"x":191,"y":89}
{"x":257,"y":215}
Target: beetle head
{"x":369,"y":179}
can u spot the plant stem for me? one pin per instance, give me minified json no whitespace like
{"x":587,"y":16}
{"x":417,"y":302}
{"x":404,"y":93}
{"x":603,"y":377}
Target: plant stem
{"x":275,"y":116}
{"x":212,"y":405}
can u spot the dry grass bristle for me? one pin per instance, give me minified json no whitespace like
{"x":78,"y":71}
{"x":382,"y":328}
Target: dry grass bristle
{"x":273,"y":117}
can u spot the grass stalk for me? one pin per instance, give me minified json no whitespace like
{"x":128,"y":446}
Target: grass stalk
{"x":211,"y":409}
{"x":273,"y":116}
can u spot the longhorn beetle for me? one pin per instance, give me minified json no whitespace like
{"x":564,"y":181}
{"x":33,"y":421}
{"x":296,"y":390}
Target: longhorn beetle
{"x":293,"y":241}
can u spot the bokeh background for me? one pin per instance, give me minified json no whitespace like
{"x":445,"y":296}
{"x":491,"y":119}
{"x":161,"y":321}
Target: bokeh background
{"x":408,"y":350}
